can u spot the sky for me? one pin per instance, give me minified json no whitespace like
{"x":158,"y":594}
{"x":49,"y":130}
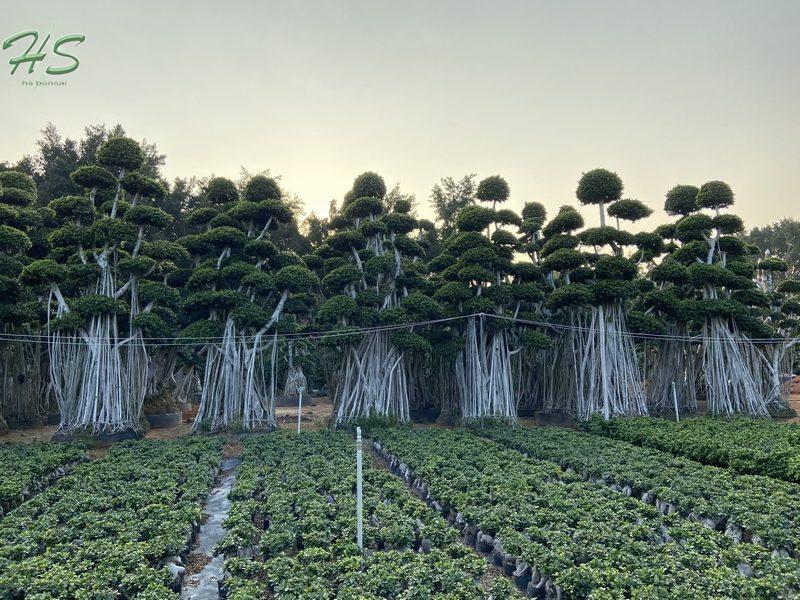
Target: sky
{"x":539,"y":92}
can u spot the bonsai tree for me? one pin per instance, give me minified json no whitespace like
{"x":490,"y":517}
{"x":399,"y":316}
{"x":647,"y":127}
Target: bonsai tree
{"x":716,"y":295}
{"x":159,"y":322}
{"x":373,"y":273}
{"x":674,"y":356}
{"x":530,"y":287}
{"x":563,"y":376}
{"x":90,"y":284}
{"x":597,"y":363}
{"x":19,"y":369}
{"x":477,"y":276}
{"x":238,"y":293}
{"x":776,"y":302}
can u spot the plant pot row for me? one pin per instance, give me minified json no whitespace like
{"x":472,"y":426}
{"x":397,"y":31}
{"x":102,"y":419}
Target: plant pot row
{"x":38,"y":486}
{"x":527,"y":578}
{"x":735,"y":532}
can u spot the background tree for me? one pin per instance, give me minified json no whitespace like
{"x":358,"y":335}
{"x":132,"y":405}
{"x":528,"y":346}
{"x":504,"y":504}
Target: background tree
{"x":782,"y":240}
{"x":450,"y":196}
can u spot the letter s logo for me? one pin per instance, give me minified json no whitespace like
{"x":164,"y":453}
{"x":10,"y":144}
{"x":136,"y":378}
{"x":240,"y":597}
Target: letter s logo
{"x":67,"y":39}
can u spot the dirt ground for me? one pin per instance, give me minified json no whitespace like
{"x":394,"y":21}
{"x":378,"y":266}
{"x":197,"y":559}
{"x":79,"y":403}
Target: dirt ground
{"x":316,"y":414}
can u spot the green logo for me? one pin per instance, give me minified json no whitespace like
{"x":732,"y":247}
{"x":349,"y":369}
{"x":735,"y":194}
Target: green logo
{"x":66,"y":64}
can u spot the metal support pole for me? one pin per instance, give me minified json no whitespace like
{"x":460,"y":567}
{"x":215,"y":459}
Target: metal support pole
{"x":359,"y":490}
{"x":299,"y":407}
{"x":675,"y":402}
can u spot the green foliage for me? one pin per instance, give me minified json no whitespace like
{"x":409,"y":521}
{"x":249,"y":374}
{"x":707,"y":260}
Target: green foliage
{"x":93,"y":176}
{"x":773,"y":264}
{"x":221,"y":191}
{"x":361,"y":208}
{"x":16,"y":197}
{"x":399,"y":223}
{"x":493,"y":189}
{"x":535,"y":340}
{"x":104,"y":529}
{"x":602,"y":236}
{"x":563,"y":259}
{"x":148,"y":215}
{"x":12,"y":240}
{"x":615,"y":267}
{"x":295,"y":278}
{"x":534,"y":213}
{"x":336,"y":308}
{"x":629,"y":210}
{"x":640,"y":322}
{"x":94,"y":305}
{"x":475,"y":218}
{"x":728,"y":223}
{"x":121,"y":153}
{"x":568,"y":296}
{"x":309,"y":552}
{"x":681,"y":200}
{"x":262,"y":188}
{"x":368,"y":185}
{"x":599,"y":185}
{"x":761,"y":505}
{"x":714,"y":195}
{"x":137,"y":184}
{"x":18,"y":181}
{"x":788,"y":286}
{"x":567,"y":220}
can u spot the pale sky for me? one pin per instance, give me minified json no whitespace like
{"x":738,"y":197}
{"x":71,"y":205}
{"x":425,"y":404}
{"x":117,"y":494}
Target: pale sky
{"x":538,"y":92}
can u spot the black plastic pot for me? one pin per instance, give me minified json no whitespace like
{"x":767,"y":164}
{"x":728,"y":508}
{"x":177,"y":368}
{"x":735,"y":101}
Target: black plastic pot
{"x":425,"y":415}
{"x":557,"y":419}
{"x":164,"y":420}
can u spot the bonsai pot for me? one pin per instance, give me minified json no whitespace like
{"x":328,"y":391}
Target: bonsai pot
{"x":163,"y":420}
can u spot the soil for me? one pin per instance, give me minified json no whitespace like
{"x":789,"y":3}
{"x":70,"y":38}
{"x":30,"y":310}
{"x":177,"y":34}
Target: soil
{"x":195,"y":564}
{"x":30,"y":435}
{"x":169,"y":433}
{"x":316,"y":414}
{"x":232,"y":448}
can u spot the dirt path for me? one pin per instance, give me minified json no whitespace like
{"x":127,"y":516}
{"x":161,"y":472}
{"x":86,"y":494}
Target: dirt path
{"x":204,"y":571}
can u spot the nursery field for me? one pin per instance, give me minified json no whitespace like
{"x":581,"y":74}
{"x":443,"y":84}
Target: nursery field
{"x":488,"y":513}
{"x":758,"y":446}
{"x":109,"y":529}
{"x":292,"y":518}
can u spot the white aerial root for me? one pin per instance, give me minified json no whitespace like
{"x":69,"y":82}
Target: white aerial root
{"x":485,"y":373}
{"x":99,"y":377}
{"x":732,"y":371}
{"x":238,"y":386}
{"x":295,"y":378}
{"x":675,"y":361}
{"x":594,"y":363}
{"x":21,"y":395}
{"x":373,"y":380}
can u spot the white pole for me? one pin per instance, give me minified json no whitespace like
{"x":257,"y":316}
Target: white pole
{"x":359,"y":489}
{"x":299,"y":407}
{"x":675,"y":401}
